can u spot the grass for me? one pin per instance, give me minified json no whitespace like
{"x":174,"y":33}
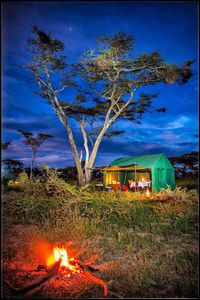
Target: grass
{"x":188,"y":182}
{"x":148,"y":247}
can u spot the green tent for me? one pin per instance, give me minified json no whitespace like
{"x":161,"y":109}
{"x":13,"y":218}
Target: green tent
{"x":155,"y":168}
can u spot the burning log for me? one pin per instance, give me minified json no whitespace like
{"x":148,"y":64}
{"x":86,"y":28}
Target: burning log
{"x":52,"y":272}
{"x":66,"y":267}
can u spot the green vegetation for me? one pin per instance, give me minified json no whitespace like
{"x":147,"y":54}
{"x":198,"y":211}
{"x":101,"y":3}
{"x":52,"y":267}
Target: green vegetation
{"x":148,"y":245}
{"x":188,"y":182}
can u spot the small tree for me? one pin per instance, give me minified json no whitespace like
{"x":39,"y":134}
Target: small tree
{"x":14,"y":166}
{"x":34,"y":143}
{"x":110,"y":76}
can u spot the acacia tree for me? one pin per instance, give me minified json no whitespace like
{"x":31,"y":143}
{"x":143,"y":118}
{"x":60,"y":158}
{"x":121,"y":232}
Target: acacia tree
{"x":34,"y":143}
{"x":110,"y":76}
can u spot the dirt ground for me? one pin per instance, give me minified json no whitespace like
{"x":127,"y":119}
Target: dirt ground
{"x":20,"y":268}
{"x":21,"y":258}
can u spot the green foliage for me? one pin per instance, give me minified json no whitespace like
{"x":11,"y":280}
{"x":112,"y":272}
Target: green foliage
{"x":46,"y":49}
{"x":13,"y":166}
{"x":22,"y":177}
{"x":167,"y":212}
{"x":57,"y":187}
{"x":41,"y":202}
{"x":188,"y":183}
{"x":34,"y":142}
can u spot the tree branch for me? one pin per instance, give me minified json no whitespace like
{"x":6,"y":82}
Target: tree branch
{"x":85,"y":140}
{"x":121,"y":109}
{"x":62,"y":116}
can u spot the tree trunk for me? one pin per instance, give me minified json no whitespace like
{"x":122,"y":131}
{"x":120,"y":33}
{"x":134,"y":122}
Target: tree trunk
{"x":84,"y":177}
{"x":81,"y":179}
{"x":32,"y":163}
{"x":96,"y":147}
{"x":88,"y":176}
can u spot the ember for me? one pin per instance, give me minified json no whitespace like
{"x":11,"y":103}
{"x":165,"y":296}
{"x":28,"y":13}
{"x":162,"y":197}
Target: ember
{"x":69,"y":266}
{"x":59,"y":262}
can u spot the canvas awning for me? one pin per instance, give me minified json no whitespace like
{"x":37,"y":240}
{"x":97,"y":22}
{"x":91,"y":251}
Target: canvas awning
{"x":123,"y":168}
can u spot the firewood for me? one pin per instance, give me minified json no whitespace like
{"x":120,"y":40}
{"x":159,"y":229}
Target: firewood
{"x":88,"y":268}
{"x":37,"y":282}
{"x":97,"y":280}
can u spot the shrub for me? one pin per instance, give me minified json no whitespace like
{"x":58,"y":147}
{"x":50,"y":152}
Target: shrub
{"x":57,"y":202}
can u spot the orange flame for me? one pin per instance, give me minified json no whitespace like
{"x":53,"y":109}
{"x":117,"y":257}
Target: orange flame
{"x":71,"y":265}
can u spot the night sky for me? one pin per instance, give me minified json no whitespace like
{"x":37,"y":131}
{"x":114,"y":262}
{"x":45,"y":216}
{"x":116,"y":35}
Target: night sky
{"x":168,"y":27}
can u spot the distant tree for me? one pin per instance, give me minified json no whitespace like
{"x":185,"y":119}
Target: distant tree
{"x":34,"y":143}
{"x":110,"y":76}
{"x":5,"y":145}
{"x":14,"y":166}
{"x":186,"y":165}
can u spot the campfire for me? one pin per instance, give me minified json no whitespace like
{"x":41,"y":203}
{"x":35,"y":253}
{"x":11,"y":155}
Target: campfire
{"x":60,"y":263}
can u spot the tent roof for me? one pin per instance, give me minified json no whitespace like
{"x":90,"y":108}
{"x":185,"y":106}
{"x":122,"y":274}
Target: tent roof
{"x":144,"y":161}
{"x":116,"y":168}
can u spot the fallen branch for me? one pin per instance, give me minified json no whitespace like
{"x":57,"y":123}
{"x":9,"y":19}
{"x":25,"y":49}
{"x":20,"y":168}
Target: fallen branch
{"x":96,"y":280}
{"x":89,"y":268}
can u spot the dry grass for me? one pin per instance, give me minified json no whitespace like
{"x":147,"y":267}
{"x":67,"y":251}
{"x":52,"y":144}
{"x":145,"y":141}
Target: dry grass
{"x":147,"y":247}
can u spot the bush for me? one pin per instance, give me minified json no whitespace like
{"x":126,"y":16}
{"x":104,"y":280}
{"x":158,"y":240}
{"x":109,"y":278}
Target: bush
{"x":40,"y":202}
{"x":57,"y":202}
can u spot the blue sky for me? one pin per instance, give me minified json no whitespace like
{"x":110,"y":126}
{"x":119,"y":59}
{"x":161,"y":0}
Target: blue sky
{"x":168,"y":27}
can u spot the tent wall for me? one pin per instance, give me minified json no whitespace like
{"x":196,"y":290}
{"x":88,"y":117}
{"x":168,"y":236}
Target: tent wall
{"x":159,"y":179}
{"x":163,"y":174}
{"x":171,"y":178}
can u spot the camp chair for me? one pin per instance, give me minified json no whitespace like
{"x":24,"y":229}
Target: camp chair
{"x":124,"y":187}
{"x":116,"y":186}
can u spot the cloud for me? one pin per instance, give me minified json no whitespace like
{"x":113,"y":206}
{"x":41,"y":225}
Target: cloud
{"x":179,"y":122}
{"x":7,"y":80}
{"x":168,"y":136}
{"x":163,"y":123}
{"x":33,"y":123}
{"x":49,"y":159}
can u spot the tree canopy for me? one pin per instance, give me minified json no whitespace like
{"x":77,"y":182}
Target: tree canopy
{"x":34,"y":143}
{"x":105,"y":80}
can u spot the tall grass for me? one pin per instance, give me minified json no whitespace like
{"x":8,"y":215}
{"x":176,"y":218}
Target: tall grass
{"x":147,"y":244}
{"x":57,"y":202}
